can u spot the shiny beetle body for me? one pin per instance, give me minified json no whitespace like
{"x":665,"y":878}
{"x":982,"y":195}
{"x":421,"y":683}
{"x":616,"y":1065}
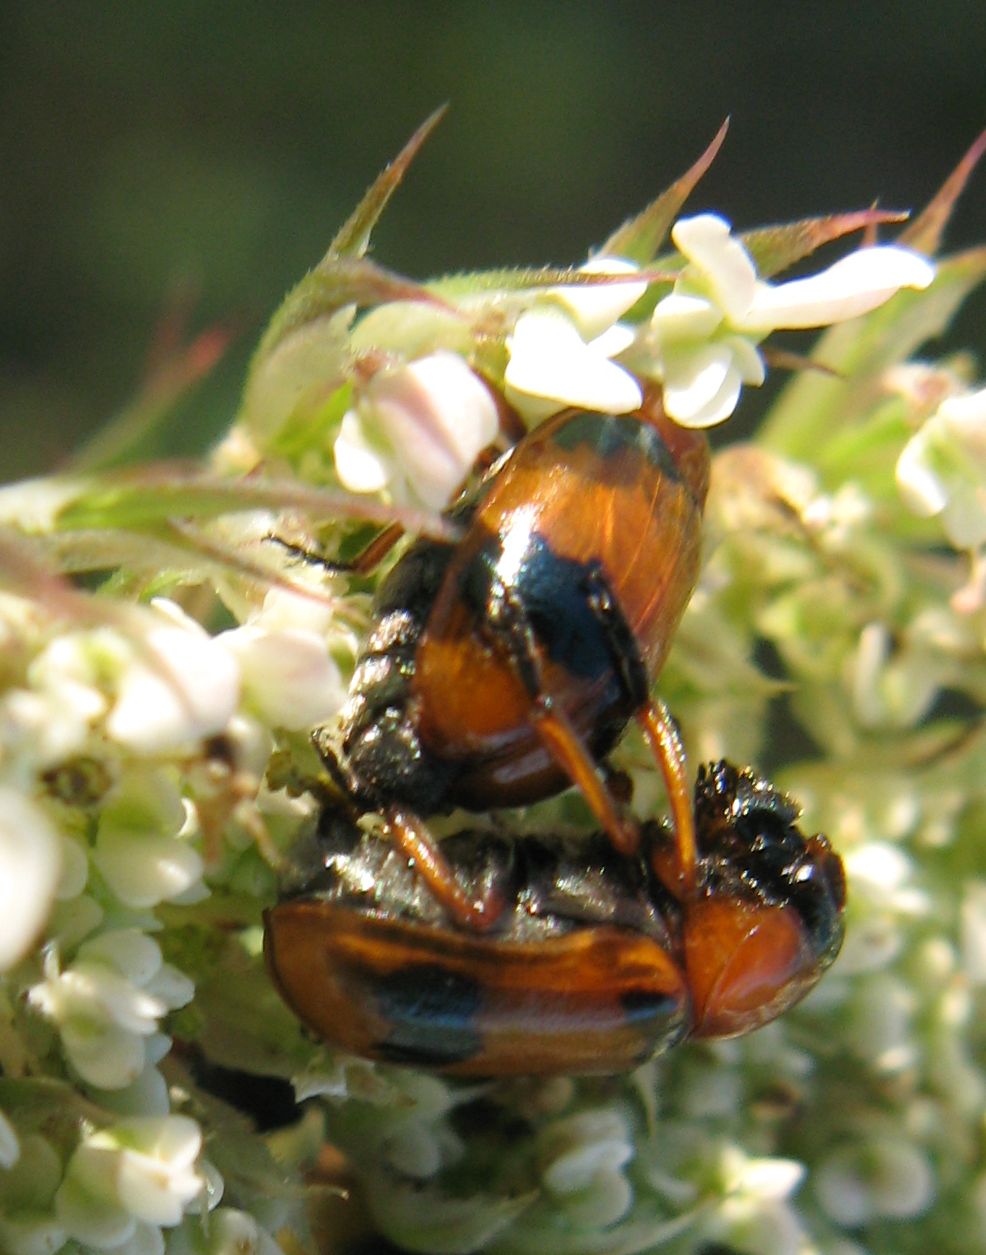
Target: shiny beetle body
{"x":596,"y":961}
{"x":503,"y":666}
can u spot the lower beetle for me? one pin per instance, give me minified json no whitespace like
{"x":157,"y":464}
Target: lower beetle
{"x":596,"y":961}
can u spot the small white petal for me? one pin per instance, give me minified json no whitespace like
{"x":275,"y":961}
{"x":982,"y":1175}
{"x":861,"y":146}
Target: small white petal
{"x":30,"y":863}
{"x":598,"y":307}
{"x":549,"y":359}
{"x":701,"y":385}
{"x":578,"y":1147}
{"x":360,"y":467}
{"x":289,"y":677}
{"x":104,"y":1055}
{"x":171,"y":987}
{"x":436,"y":415}
{"x":680,"y":316}
{"x":185,"y":689}
{"x":746,"y":360}
{"x":920,"y":486}
{"x":10,"y":1148}
{"x":855,"y":285}
{"x":965,"y":414}
{"x":773,"y":1178}
{"x":723,"y":262}
{"x":145,"y":870}
{"x":130,"y":952}
{"x":614,"y":341}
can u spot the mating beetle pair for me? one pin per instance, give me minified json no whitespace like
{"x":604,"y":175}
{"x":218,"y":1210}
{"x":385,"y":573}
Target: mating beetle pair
{"x":502,"y":668}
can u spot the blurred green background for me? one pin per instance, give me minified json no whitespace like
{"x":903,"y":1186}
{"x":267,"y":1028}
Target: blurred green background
{"x":204,"y":153}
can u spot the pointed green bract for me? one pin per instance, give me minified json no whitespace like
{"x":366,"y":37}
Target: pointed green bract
{"x":776,"y":248}
{"x":639,"y":239}
{"x":353,"y":237}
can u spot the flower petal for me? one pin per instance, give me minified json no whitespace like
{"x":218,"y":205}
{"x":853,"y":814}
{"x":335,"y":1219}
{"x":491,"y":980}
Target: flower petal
{"x":288,"y":675}
{"x":685,"y":317}
{"x":30,"y":862}
{"x":596,"y":308}
{"x":360,"y":467}
{"x":858,"y":283}
{"x":549,"y":359}
{"x":701,"y":385}
{"x":436,"y":415}
{"x":723,"y":263}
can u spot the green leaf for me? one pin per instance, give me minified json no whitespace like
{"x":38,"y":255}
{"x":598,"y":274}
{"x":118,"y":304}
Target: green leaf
{"x":640,"y":237}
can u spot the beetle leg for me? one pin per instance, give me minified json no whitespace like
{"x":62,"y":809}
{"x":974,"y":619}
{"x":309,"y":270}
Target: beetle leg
{"x":508,"y":616}
{"x":657,"y":724}
{"x":570,"y":752}
{"x":365,"y":561}
{"x":664,"y":739}
{"x":414,"y":840}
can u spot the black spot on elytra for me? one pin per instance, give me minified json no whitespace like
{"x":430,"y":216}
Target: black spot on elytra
{"x":432,"y":1015}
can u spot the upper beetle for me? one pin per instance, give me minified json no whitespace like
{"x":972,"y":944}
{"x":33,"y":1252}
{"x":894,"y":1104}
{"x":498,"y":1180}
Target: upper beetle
{"x":503,"y":666}
{"x":596,"y":962}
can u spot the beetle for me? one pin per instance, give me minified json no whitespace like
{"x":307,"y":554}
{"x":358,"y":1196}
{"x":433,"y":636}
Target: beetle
{"x":596,"y":961}
{"x":505,"y":665}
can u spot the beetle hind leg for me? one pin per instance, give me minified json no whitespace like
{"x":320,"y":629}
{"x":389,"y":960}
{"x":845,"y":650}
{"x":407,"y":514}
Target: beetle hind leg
{"x":662,"y":735}
{"x":412,"y":838}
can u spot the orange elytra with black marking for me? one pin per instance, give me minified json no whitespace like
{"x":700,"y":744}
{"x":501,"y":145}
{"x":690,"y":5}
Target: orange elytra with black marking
{"x":504,"y":666}
{"x":596,"y":961}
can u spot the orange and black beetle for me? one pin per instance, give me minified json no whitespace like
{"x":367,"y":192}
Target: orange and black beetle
{"x":504,"y":666}
{"x":597,"y":960}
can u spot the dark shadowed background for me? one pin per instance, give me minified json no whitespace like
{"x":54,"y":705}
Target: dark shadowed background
{"x":205,"y":152}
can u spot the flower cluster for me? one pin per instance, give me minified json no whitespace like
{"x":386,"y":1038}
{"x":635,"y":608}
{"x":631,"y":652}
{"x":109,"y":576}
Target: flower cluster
{"x":156,"y":769}
{"x":417,"y":427}
{"x":110,"y":722}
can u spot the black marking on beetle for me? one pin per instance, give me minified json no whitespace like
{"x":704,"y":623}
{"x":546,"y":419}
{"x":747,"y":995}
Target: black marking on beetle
{"x":431,"y":1011}
{"x":618,"y":442}
{"x":643,"y":1007}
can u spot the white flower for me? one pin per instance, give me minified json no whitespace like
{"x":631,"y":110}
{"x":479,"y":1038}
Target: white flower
{"x":551,"y":366}
{"x":417,"y":429}
{"x":583,"y":1157}
{"x":108,"y":1002}
{"x":560,"y":347}
{"x":139,"y":849}
{"x":704,"y":335}
{"x":10,"y":1147}
{"x":230,"y":1232}
{"x":30,"y":865}
{"x":870,"y":1180}
{"x":178,"y":685}
{"x":942,"y":469}
{"x":138,"y":1172}
{"x":289,"y":678}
